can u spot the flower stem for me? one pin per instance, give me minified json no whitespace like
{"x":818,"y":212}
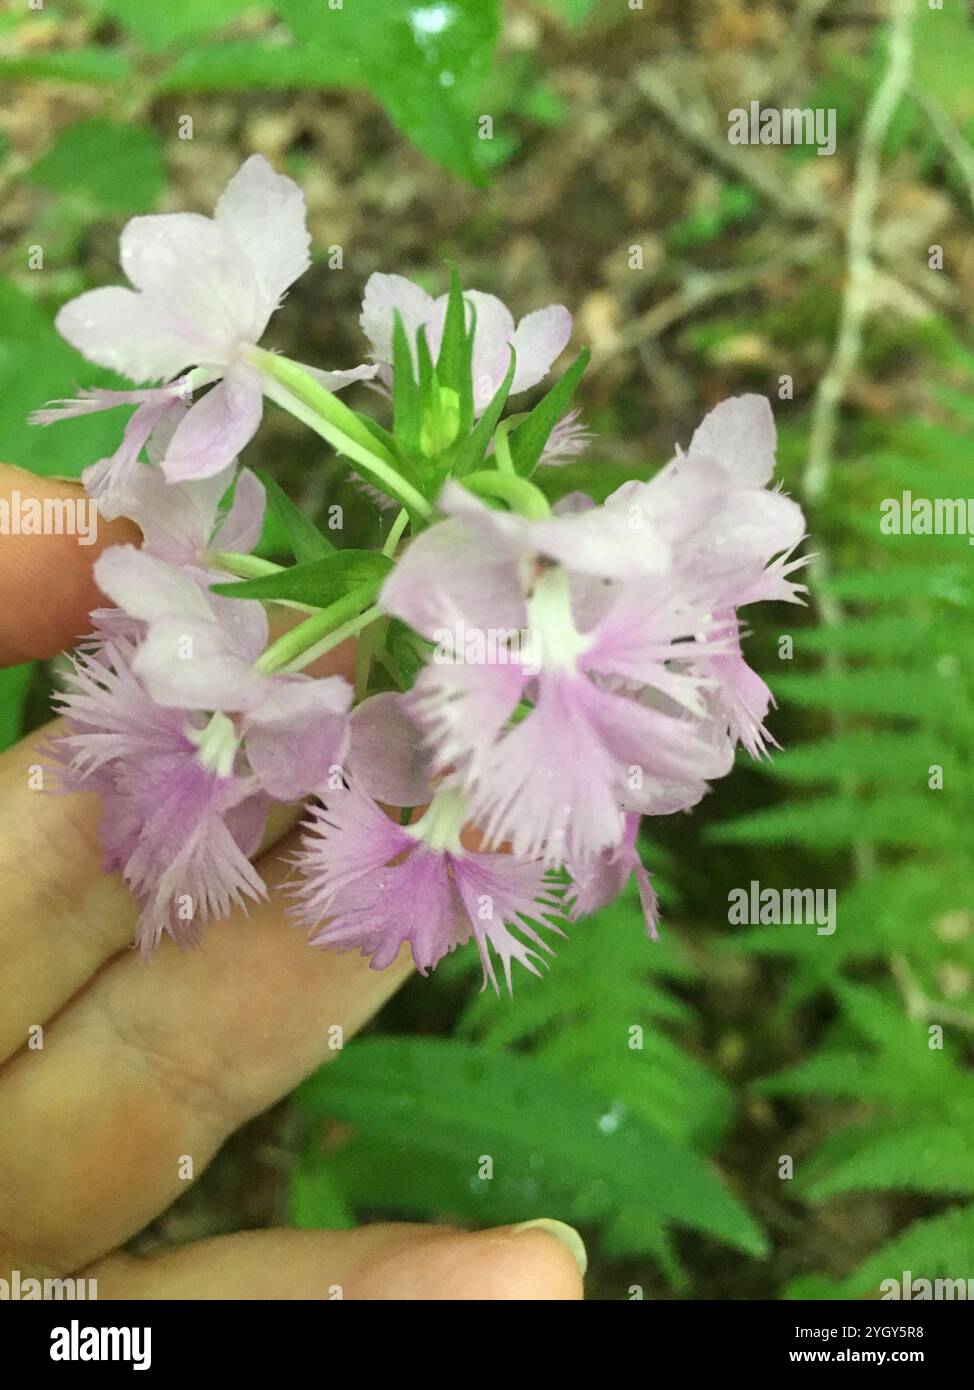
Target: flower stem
{"x":502,"y":450}
{"x":304,"y":641}
{"x":395,"y":533}
{"x":336,"y":638}
{"x":244,"y":566}
{"x":292,"y":388}
{"x":520,"y":495}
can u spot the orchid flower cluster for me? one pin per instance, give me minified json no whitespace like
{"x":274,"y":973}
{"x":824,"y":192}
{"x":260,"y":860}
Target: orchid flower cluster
{"x":530,"y":681}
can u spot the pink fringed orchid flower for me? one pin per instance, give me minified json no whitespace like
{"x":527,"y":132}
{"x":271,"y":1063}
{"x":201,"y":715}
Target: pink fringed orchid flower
{"x":372,"y":884}
{"x":203,"y":291}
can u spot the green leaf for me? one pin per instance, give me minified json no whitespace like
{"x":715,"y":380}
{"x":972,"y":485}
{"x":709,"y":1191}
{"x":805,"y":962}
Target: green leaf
{"x":405,"y":647}
{"x":116,"y":166}
{"x":474,"y":448}
{"x":407,"y":410}
{"x":316,"y":582}
{"x":530,"y":437}
{"x":87,"y":65}
{"x":159,"y":26}
{"x":424,"y":60}
{"x":242,"y":66}
{"x":943,"y":56}
{"x":306,"y":540}
{"x":891,"y":758}
{"x":917,"y":1158}
{"x":952,"y":584}
{"x":315,"y":1199}
{"x":575,"y":12}
{"x":834,"y":822}
{"x":881,"y":635}
{"x":424,"y":363}
{"x":14,"y":684}
{"x":535,"y":1122}
{"x":940,"y":1246}
{"x":454,"y":368}
{"x":872,"y":692}
{"x":37,"y":365}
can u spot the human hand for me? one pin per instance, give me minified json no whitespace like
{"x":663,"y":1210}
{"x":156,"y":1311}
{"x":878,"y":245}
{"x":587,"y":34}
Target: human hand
{"x":141,"y":1064}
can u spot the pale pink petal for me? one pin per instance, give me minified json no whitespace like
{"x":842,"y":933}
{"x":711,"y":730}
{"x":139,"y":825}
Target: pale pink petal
{"x":161,"y":437}
{"x":240,"y":529}
{"x":452,"y":574}
{"x":386,"y":754}
{"x":93,"y":399}
{"x":179,"y":833}
{"x":360,"y":839}
{"x":742,"y":699}
{"x":659,"y":748}
{"x":120,"y":329}
{"x":462,"y":708}
{"x":187,"y":854}
{"x":297,"y":737}
{"x":265,"y":213}
{"x":602,"y":542}
{"x":217,"y":427}
{"x":371,"y":885}
{"x":540,"y":338}
{"x":196,"y":281}
{"x":191,"y":663}
{"x":247,"y":823}
{"x":148,"y":588}
{"x":740,"y":433}
{"x":109,"y":481}
{"x":600,"y":882}
{"x":383,"y":295}
{"x":491,"y":347}
{"x":549,"y":786}
{"x":199,"y":645}
{"x":175,"y":518}
{"x":643,"y":639}
{"x":244,"y":621}
{"x":570,"y":437}
{"x":511,"y":891}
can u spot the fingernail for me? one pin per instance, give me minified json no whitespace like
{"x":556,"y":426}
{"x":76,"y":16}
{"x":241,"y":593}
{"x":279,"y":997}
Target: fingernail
{"x":568,"y":1236}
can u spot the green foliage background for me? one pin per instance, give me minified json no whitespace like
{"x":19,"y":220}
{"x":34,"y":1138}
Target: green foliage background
{"x":648,"y":1093}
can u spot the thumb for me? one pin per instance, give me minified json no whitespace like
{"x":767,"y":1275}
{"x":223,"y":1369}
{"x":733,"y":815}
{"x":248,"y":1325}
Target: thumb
{"x":536,"y":1261}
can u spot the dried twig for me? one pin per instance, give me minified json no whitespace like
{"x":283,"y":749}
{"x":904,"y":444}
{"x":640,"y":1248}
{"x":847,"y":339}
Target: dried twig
{"x":859,"y":258}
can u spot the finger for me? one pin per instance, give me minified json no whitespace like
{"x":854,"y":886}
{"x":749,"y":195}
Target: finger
{"x":374,"y":1262}
{"x":151,"y":1067}
{"x":61,"y":916}
{"x":46,"y":585}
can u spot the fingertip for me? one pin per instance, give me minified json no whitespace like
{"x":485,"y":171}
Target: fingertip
{"x":507,"y":1264}
{"x":50,"y":536}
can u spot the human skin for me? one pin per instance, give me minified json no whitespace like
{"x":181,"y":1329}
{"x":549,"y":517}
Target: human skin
{"x":143,"y":1063}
